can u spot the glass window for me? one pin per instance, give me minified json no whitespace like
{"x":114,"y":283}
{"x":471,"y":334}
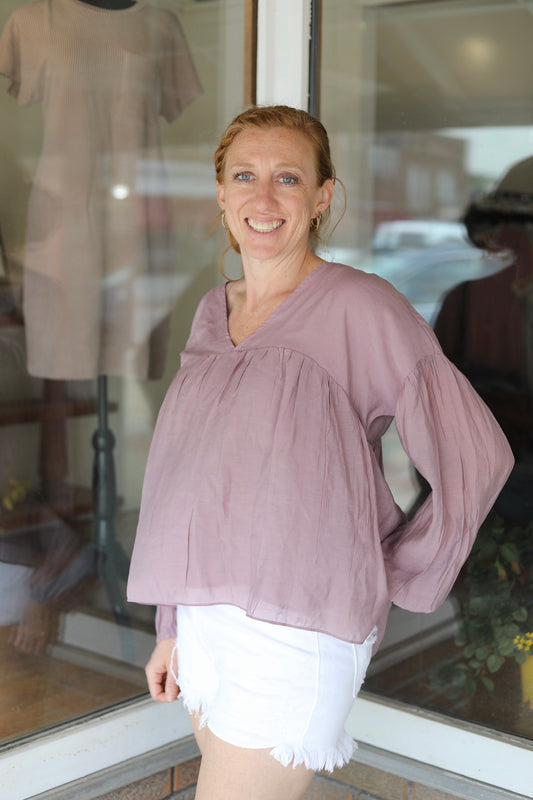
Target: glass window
{"x":429,"y":109}
{"x":111,"y":111}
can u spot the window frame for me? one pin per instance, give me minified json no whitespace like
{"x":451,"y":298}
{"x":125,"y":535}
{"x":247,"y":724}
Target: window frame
{"x":31,"y":766}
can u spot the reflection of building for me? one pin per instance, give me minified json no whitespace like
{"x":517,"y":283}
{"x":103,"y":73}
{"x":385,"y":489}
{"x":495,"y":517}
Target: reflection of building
{"x":418,"y":175}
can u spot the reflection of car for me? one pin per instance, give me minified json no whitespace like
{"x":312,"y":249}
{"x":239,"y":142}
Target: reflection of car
{"x":352,"y":256}
{"x":418,"y":233}
{"x":425,"y":275}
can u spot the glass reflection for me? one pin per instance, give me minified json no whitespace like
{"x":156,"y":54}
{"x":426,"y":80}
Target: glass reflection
{"x":105,"y":150}
{"x":485,"y":327}
{"x":427,"y":108}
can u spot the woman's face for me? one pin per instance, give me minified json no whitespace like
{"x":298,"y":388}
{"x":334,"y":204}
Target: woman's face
{"x":270,"y":192}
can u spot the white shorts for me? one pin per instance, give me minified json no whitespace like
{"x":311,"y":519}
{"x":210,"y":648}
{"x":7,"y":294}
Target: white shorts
{"x":259,"y":685}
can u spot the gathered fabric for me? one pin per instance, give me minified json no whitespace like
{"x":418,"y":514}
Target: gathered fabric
{"x":264,"y":485}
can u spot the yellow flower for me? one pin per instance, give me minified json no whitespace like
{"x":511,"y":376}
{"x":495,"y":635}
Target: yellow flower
{"x":524,"y":642}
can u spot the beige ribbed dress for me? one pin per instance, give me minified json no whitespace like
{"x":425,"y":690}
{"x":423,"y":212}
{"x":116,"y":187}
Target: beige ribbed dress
{"x":99,"y":263}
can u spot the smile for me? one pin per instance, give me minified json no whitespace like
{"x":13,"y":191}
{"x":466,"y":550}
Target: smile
{"x":264,"y":227}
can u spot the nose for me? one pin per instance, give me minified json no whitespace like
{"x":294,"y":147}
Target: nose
{"x":264,"y":193}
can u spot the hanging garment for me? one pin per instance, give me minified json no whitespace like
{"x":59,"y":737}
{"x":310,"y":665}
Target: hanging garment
{"x":99,"y":263}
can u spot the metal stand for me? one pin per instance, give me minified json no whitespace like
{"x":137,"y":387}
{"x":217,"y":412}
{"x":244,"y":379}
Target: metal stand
{"x":111,"y":561}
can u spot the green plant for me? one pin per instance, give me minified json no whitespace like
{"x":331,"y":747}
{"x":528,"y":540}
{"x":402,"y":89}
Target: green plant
{"x":495,"y":592}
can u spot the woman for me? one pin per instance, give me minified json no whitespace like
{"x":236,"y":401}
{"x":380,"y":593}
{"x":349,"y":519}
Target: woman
{"x":266,"y":525}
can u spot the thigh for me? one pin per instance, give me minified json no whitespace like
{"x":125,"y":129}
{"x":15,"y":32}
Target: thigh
{"x":228,"y":772}
{"x":198,"y":730}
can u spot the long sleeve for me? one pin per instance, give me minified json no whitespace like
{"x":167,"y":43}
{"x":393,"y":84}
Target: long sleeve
{"x":456,"y":444}
{"x":165,"y":622}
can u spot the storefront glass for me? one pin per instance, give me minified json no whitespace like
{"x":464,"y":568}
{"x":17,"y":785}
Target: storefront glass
{"x":111,"y":111}
{"x":429,"y":105}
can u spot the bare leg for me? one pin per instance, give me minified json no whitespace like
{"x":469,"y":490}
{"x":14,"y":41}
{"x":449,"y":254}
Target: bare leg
{"x":236,"y":773}
{"x":199,"y":733}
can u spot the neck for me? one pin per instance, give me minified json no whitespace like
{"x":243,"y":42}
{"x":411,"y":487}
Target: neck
{"x":264,"y":280}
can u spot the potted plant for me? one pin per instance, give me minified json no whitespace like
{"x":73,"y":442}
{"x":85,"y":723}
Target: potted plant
{"x":495,"y":592}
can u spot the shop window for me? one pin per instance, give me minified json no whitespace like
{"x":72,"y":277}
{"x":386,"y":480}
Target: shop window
{"x":418,"y":189}
{"x":445,"y":86}
{"x":111,"y":111}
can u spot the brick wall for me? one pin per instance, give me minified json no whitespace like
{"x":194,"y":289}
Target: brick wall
{"x":353,"y":782}
{"x":175,"y":782}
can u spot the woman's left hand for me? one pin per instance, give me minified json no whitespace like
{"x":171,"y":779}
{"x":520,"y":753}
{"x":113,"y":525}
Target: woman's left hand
{"x":161,"y":682}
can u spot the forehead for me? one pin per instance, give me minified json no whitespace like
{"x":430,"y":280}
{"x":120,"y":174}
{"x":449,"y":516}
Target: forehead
{"x":283,"y":145}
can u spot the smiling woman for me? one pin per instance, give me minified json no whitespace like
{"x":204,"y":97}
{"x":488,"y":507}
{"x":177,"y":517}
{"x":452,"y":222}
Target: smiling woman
{"x":275,"y":181}
{"x":280,"y":120}
{"x":268,"y":536}
{"x":269,"y":194}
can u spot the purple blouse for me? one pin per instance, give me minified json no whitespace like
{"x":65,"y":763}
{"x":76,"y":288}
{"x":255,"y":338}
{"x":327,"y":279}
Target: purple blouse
{"x":264,"y":485}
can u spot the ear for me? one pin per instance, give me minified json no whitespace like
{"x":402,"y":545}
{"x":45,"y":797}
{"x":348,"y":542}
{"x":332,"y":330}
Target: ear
{"x":221,"y":195}
{"x":325,"y":196}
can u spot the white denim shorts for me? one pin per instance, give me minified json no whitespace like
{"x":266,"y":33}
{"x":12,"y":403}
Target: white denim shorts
{"x":260,"y":685}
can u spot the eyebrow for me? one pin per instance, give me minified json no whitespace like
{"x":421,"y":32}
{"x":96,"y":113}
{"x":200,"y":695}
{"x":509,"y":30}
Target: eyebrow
{"x":245,"y":165}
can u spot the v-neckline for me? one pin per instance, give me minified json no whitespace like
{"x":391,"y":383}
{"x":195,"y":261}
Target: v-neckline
{"x":274,"y":313}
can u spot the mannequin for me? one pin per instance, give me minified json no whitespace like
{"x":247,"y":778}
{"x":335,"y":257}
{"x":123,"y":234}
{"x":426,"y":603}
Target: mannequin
{"x":100,"y":221}
{"x":485,"y":326}
{"x":112,"y":5}
{"x":103,"y":81}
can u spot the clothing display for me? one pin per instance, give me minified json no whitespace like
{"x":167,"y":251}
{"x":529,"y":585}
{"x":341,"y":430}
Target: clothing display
{"x":485,"y":327}
{"x":264,"y":486}
{"x":482,"y":321}
{"x":99,"y":262}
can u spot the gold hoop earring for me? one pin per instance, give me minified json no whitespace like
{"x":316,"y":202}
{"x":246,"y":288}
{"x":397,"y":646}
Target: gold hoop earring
{"x":315,"y":222}
{"x":224,"y":221}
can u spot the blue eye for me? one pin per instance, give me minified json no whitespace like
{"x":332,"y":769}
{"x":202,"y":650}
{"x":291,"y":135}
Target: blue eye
{"x":288,"y":180}
{"x":243,"y":177}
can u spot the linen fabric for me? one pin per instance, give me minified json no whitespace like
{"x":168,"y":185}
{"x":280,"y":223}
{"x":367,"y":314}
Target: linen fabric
{"x":99,"y":262}
{"x":235,"y":671}
{"x":264,"y":485}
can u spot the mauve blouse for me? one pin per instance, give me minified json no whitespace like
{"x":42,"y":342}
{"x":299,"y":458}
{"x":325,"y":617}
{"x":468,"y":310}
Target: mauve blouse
{"x":264,"y":485}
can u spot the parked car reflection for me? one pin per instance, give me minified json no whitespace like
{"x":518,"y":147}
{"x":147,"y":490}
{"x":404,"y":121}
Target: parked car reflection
{"x":410,"y":234}
{"x":424,"y":274}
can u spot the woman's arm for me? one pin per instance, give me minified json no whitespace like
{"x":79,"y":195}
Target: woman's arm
{"x":456,"y":444}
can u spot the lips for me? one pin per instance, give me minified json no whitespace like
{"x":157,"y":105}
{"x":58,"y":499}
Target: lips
{"x":264,"y":227}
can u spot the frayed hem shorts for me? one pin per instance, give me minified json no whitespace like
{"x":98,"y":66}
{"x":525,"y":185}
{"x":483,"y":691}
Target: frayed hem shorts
{"x":259,"y":685}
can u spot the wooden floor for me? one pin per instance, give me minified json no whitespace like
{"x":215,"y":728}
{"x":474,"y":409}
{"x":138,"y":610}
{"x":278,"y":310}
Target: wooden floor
{"x":38,"y":692}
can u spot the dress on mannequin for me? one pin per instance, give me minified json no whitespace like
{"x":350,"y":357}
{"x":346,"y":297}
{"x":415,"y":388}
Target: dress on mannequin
{"x":99,"y":260}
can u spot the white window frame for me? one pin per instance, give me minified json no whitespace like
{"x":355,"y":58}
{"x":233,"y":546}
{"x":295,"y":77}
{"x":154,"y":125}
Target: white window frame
{"x":127,"y":731}
{"x":283,"y":36}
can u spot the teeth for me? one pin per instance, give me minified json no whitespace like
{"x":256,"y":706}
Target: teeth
{"x":264,"y":227}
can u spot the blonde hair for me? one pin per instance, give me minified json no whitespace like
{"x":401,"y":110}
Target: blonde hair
{"x":266,"y":118}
